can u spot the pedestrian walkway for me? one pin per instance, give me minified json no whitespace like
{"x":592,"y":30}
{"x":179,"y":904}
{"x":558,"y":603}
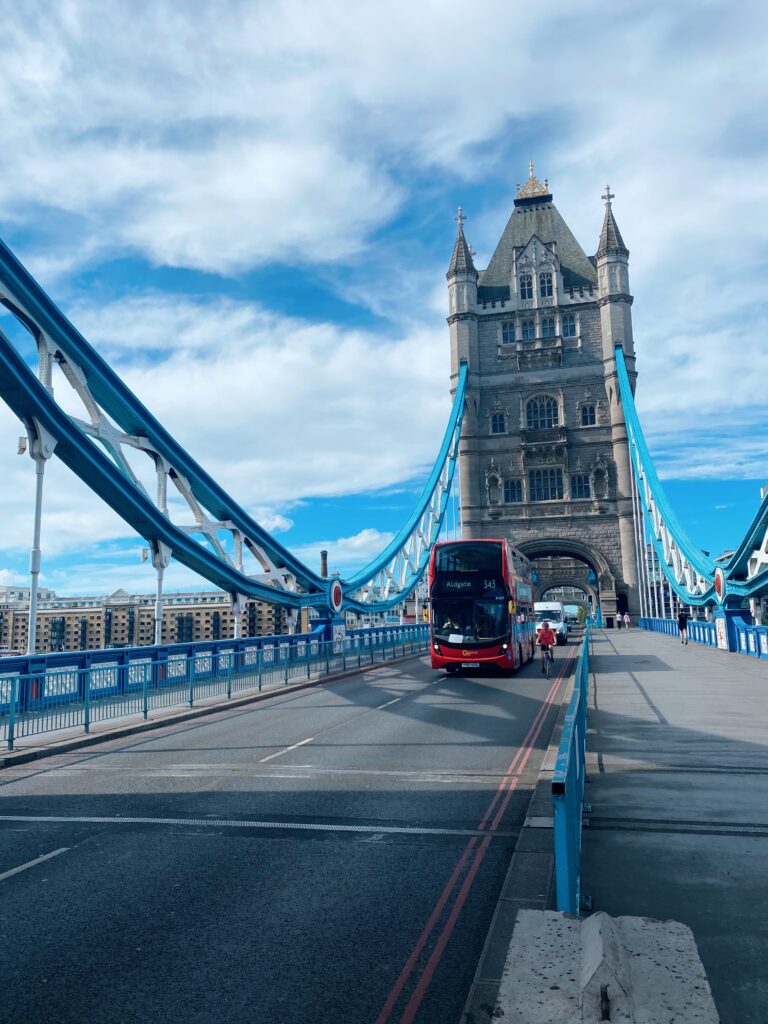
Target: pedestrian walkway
{"x":678,"y":828}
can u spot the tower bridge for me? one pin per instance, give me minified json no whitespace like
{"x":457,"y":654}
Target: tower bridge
{"x":544,"y":454}
{"x":545,"y":446}
{"x":543,"y":442}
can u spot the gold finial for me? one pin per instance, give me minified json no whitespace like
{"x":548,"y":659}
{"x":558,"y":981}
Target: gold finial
{"x":460,"y":217}
{"x":533,"y":187}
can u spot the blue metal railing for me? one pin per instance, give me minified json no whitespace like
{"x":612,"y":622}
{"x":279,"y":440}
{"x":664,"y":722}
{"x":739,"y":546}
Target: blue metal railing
{"x":751,"y":639}
{"x":50,"y":692}
{"x":568,"y":790}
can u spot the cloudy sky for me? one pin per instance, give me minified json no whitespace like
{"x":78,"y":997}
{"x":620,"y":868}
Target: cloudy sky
{"x":248,"y":209}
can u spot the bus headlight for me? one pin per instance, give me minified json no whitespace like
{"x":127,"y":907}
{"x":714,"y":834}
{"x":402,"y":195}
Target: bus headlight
{"x":504,"y":647}
{"x":436,"y":648}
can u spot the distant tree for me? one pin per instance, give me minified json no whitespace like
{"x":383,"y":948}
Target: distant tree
{"x":582,"y":615}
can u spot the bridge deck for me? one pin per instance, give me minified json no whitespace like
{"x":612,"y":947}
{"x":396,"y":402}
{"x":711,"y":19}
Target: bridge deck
{"x":679,"y":824}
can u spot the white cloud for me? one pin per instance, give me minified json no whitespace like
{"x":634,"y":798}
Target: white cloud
{"x":346,"y":554}
{"x":276,"y":409}
{"x":226,"y":136}
{"x":10,"y":578}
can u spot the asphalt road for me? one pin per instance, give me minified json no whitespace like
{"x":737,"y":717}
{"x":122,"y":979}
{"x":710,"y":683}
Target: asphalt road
{"x":333,"y":855}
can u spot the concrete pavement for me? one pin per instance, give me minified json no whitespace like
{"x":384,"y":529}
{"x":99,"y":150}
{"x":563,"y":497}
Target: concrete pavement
{"x":678,"y":758}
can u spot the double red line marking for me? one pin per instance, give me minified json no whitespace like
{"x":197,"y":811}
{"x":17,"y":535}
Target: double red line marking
{"x":496,"y":808}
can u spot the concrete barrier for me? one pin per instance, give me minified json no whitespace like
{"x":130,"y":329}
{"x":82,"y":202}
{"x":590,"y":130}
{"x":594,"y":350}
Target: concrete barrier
{"x":627,"y":970}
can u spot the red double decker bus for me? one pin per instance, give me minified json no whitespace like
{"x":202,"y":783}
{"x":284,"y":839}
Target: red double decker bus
{"x":481,"y":605}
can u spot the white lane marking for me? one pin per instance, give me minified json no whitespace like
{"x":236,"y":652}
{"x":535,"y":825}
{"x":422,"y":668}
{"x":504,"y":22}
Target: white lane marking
{"x":388,"y":703}
{"x":300,"y":826}
{"x":32,"y":863}
{"x":286,"y":750}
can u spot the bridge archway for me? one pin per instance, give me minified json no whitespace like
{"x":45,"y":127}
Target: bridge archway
{"x":561,"y":561}
{"x":552,"y":590}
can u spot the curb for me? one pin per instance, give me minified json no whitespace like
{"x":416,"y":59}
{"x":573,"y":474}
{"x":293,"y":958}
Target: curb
{"x":527,"y":885}
{"x":190,"y":714}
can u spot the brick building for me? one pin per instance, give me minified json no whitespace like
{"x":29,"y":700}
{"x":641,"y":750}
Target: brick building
{"x":127,"y":620}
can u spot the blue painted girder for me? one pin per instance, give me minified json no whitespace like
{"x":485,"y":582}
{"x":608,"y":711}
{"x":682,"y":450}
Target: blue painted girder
{"x":735,"y":569}
{"x":22,"y":391}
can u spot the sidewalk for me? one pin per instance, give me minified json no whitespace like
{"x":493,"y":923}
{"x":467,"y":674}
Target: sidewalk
{"x":678,"y":761}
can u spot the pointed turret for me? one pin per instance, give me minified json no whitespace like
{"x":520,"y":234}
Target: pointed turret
{"x":610,"y":237}
{"x":461,"y":260}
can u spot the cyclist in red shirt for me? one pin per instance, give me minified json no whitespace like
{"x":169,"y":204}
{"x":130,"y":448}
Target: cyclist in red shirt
{"x":547,"y":641}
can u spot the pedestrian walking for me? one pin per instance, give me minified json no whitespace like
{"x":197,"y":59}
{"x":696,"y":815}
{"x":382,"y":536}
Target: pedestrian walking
{"x":626,"y":620}
{"x":682,"y":627}
{"x":619,"y":621}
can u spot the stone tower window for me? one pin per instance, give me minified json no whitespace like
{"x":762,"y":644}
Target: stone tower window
{"x":508,"y":333}
{"x":513,"y":491}
{"x":529,"y":330}
{"x":569,"y":327}
{"x":548,"y":327}
{"x":542,"y":412}
{"x":545,"y":285}
{"x":580,"y":486}
{"x":498,"y":425}
{"x":545,"y":484}
{"x":588,"y":417}
{"x":526,"y":286}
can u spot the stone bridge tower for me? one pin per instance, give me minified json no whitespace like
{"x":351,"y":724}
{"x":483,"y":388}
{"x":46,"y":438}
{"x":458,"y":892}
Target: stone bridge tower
{"x":543,"y":457}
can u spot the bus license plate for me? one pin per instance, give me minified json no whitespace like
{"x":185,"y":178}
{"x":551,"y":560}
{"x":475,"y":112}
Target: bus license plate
{"x":470,"y":664}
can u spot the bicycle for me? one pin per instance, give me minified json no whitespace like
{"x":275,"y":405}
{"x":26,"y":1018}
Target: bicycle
{"x":549,"y":658}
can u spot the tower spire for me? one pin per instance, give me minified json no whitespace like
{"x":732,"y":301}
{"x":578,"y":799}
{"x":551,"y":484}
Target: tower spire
{"x":461,"y":260}
{"x":610,"y":236}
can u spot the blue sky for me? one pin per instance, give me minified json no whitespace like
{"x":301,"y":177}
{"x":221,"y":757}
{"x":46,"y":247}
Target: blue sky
{"x":248,"y":209}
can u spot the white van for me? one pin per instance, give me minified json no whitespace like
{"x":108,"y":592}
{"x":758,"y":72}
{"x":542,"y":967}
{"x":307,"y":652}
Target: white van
{"x":553,"y":613}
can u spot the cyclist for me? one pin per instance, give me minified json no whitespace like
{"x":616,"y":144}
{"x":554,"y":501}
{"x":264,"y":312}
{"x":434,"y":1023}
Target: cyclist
{"x":547,"y":641}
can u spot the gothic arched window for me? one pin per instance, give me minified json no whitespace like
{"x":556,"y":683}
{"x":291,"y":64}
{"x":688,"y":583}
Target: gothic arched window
{"x":588,"y":417}
{"x":508,"y":332}
{"x":513,"y":491}
{"x":580,"y":486}
{"x":526,"y":286}
{"x":569,"y":327}
{"x":548,"y":327}
{"x":529,"y":330}
{"x":545,"y":484}
{"x":545,"y":285}
{"x":542,"y":412}
{"x":498,"y":425}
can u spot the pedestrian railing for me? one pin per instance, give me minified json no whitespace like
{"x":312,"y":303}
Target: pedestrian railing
{"x":698,"y":632}
{"x":38,"y":697}
{"x":568,"y":790}
{"x":751,"y":639}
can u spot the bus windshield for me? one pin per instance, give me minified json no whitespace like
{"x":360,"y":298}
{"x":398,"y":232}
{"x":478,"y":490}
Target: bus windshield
{"x":468,"y":621}
{"x":464,"y":557}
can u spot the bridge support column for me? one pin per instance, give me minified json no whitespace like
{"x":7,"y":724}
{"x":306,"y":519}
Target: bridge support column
{"x":725,"y":627}
{"x":161,"y":557}
{"x":331,"y":629}
{"x":41,"y":448}
{"x":239,"y":602}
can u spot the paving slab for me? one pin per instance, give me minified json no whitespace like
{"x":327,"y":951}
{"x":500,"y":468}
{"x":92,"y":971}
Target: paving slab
{"x":678,"y":762}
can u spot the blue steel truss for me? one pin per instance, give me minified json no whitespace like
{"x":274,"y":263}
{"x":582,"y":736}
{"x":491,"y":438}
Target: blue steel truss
{"x":691,"y":573}
{"x":94,"y":450}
